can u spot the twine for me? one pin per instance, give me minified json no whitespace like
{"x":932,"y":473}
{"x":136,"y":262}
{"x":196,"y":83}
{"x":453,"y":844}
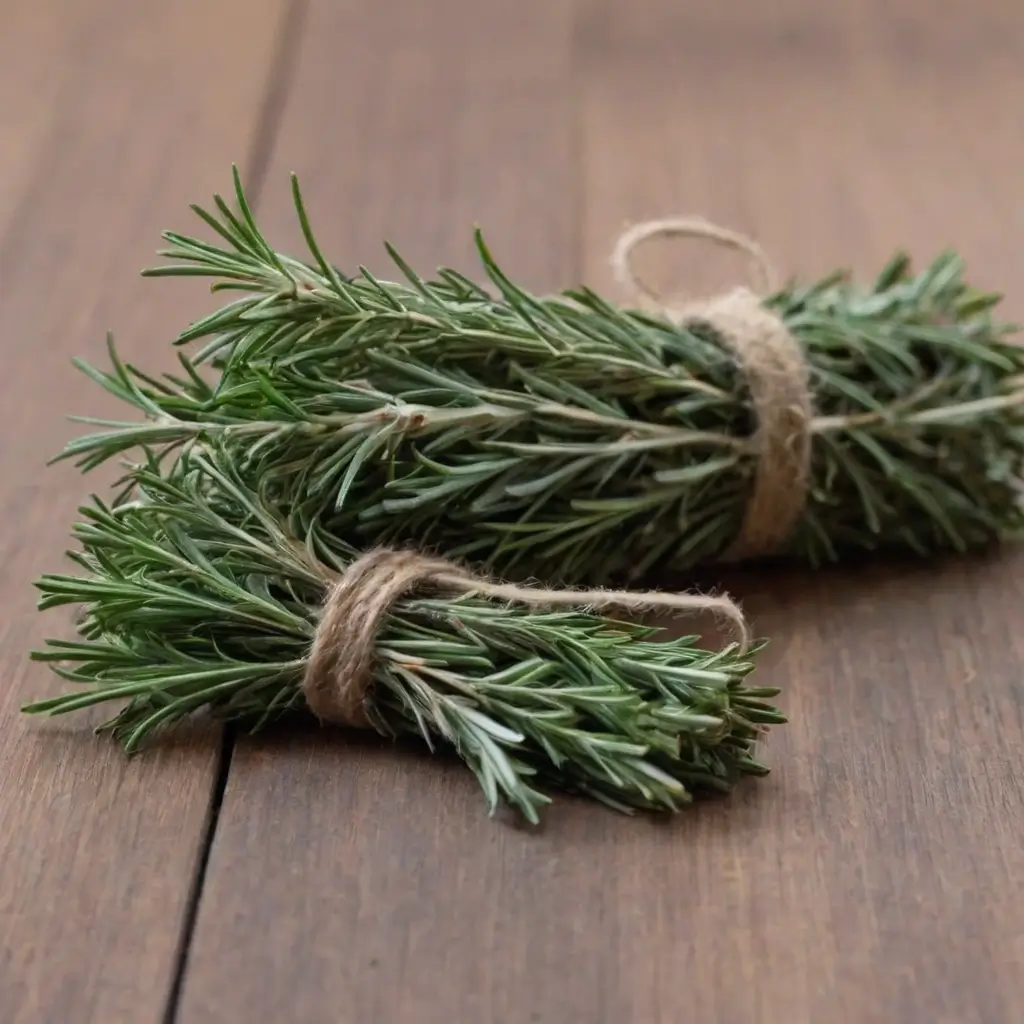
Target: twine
{"x":339,"y":671}
{"x":772,"y":364}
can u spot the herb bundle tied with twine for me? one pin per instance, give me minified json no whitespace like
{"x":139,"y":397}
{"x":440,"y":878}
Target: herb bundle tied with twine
{"x":197,"y":596}
{"x":572,"y":439}
{"x":561,"y":437}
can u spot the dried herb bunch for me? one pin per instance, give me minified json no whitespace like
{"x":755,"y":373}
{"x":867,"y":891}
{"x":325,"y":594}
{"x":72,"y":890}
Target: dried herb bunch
{"x":565,"y":436}
{"x":197,"y":596}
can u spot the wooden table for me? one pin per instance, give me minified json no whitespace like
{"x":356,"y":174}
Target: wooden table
{"x":877,"y":876}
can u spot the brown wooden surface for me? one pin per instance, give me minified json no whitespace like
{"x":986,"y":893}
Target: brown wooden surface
{"x":111,"y":113}
{"x":876,"y":876}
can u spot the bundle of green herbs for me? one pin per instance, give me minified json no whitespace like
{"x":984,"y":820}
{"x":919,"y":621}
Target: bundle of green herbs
{"x":196,"y":595}
{"x":567,"y":437}
{"x":329,"y":414}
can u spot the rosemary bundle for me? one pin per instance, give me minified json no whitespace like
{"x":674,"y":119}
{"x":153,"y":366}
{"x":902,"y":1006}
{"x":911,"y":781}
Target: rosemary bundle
{"x":573,"y":439}
{"x":196,"y":595}
{"x":267,"y":546}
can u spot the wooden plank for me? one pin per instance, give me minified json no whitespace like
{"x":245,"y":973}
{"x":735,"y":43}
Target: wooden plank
{"x":114,"y":116}
{"x":35,"y":53}
{"x":875,"y":877}
{"x":348,"y":882}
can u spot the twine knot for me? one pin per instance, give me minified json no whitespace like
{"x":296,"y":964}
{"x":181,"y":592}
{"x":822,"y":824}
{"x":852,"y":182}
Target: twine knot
{"x":342,"y":660}
{"x":339,"y":671}
{"x":772,"y":364}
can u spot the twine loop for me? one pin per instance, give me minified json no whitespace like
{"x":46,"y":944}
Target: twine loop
{"x":773,"y":366}
{"x":340,"y":668}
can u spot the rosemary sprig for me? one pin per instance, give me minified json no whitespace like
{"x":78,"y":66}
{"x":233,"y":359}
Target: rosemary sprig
{"x":567,"y":436}
{"x":197,"y":595}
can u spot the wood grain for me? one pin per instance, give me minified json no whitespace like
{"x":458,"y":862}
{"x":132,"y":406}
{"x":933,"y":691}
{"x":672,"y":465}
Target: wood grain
{"x":873,"y":878}
{"x":347,"y":882}
{"x":113,"y":115}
